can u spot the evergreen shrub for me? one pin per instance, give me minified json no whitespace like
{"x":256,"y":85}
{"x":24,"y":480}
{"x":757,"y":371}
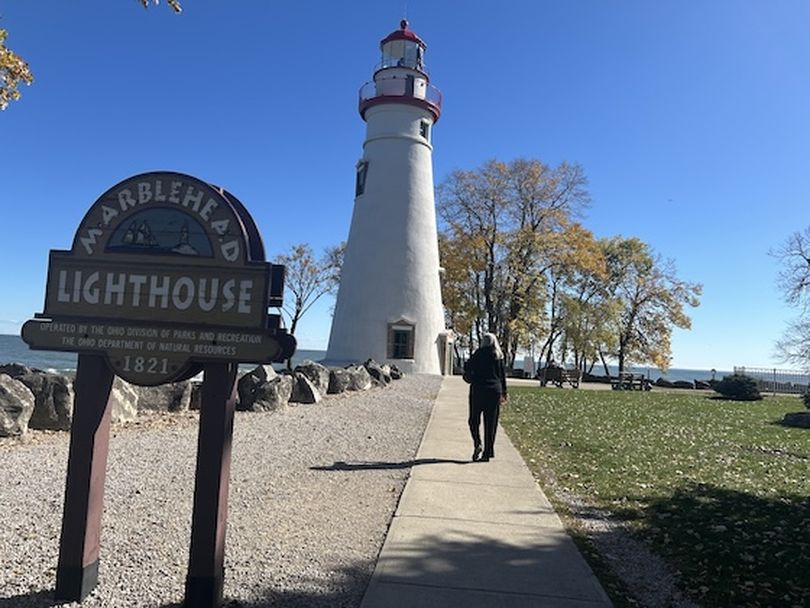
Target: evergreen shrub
{"x":738,"y":387}
{"x":806,"y":398}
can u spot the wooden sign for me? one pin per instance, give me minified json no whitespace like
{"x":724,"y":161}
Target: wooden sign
{"x":166,"y":278}
{"x":165,"y":272}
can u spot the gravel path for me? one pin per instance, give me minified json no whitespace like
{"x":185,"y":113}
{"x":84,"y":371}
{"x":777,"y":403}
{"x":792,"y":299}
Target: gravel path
{"x":304,"y":525}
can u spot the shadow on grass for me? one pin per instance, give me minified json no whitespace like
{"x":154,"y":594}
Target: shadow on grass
{"x":733,"y":399}
{"x":733,"y":548}
{"x":366,"y":466}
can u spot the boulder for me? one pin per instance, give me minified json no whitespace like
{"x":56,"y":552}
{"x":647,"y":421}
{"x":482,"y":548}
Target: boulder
{"x":376,"y":372}
{"x":53,"y":396}
{"x":339,"y":380}
{"x":360,"y":380}
{"x":174,"y":397}
{"x":664,"y":383}
{"x":273,"y":396}
{"x":304,"y":390}
{"x":396,"y":374}
{"x":15,"y":370}
{"x":797,"y":419}
{"x":247,"y":385}
{"x":316,"y":373}
{"x":123,"y":401}
{"x":16,"y":406}
{"x":703,"y":384}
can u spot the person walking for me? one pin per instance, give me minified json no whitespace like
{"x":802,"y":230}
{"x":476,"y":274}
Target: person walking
{"x":486,"y":375}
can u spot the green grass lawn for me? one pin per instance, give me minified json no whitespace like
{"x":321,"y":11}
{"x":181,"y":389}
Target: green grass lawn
{"x":717,"y":488}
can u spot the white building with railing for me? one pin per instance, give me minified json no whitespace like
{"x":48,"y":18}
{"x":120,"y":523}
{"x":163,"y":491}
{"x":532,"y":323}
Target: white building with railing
{"x":389,"y":304}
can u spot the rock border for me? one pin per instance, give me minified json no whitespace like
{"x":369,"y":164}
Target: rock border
{"x":35,"y":399}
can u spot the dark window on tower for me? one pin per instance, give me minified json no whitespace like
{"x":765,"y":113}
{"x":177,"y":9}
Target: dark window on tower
{"x":410,"y":84}
{"x":360,"y":184}
{"x":424,"y":129}
{"x":400,"y":341}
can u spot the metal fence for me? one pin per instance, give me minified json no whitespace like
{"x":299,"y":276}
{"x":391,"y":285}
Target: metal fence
{"x":772,"y":380}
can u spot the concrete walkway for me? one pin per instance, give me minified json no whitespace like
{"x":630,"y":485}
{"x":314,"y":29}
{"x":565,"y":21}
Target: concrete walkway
{"x":476,"y":535}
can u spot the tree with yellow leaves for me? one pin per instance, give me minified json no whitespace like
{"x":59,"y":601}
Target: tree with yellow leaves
{"x":578,"y":306}
{"x":518,"y":264}
{"x":13,"y":72}
{"x":498,"y":223}
{"x":651,"y":299}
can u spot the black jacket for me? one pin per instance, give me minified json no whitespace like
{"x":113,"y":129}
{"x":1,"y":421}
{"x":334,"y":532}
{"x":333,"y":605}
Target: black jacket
{"x":485,"y":371}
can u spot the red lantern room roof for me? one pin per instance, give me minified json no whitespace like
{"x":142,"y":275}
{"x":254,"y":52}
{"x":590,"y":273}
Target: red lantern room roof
{"x":403,"y":33}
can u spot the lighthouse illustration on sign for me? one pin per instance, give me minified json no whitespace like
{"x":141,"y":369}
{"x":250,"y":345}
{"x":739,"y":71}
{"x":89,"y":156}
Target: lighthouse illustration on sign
{"x":389,"y":304}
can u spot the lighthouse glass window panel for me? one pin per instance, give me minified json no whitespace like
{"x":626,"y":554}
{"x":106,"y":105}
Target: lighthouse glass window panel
{"x":400,"y":341}
{"x":393,"y":53}
{"x":412,"y":57}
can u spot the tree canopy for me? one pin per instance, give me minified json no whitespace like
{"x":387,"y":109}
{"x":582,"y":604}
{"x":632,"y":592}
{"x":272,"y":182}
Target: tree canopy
{"x":650,"y":298}
{"x":173,"y":4}
{"x":794,"y":282}
{"x":308,"y":278}
{"x":498,"y":243}
{"x":14,"y":71}
{"x":517,"y":262}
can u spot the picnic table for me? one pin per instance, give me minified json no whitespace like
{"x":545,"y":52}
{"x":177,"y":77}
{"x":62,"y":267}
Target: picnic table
{"x":628,"y":381}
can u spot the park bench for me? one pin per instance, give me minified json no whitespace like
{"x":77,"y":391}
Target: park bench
{"x":628,"y":381}
{"x":559,"y":376}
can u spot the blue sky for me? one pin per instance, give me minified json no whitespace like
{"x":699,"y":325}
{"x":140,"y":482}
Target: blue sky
{"x":691,"y":120}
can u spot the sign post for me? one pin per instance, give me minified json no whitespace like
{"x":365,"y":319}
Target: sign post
{"x":77,"y":570}
{"x":206,"y":562}
{"x":166,"y":278}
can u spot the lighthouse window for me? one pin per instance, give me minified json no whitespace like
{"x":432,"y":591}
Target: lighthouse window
{"x":400,"y":341}
{"x":360,"y":184}
{"x":424,"y":129}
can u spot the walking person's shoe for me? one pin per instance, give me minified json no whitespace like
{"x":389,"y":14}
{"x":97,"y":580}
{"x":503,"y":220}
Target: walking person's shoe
{"x":476,"y":453}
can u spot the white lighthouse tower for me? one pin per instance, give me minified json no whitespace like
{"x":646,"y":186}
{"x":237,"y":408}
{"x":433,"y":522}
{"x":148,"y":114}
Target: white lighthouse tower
{"x":389,"y":304}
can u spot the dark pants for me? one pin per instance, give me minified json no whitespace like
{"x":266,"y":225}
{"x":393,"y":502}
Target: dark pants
{"x":486,"y":402}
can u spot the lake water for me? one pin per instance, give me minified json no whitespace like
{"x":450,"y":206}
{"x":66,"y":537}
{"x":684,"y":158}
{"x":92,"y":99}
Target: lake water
{"x":14,"y":350}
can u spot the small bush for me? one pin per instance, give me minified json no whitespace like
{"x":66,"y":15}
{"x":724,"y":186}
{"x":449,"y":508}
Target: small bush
{"x":806,"y":398}
{"x":738,"y":387}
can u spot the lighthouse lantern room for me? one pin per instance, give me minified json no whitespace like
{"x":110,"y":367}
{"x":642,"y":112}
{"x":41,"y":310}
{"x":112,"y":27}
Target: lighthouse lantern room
{"x":389,"y":305}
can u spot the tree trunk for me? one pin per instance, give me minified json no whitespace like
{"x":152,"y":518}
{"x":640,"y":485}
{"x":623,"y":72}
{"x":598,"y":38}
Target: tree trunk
{"x":293,"y":325}
{"x":604,"y":363}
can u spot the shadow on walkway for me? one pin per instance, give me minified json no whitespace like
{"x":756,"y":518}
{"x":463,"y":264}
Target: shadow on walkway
{"x":417,"y":565}
{"x":365,"y":466}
